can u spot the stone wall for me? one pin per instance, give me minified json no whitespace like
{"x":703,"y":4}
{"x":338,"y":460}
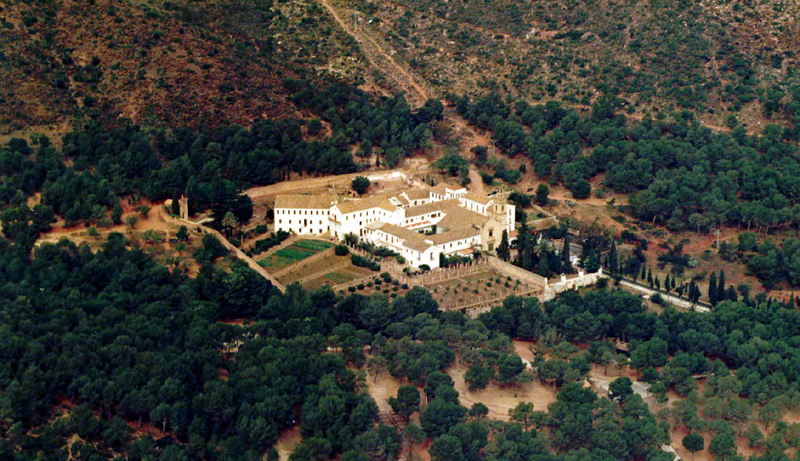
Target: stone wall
{"x":225,"y":243}
{"x":573,"y":282}
{"x":516,"y":272}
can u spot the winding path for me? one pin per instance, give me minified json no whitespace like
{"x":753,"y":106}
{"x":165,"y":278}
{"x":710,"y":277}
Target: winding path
{"x":374,"y":52}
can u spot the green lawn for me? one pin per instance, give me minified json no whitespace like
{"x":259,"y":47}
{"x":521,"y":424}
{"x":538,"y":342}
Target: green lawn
{"x":314,"y":245}
{"x":275,"y":261}
{"x":340,"y":277}
{"x":295,"y":252}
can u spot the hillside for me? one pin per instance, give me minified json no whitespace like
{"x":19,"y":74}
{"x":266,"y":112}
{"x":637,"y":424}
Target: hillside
{"x":209,"y":63}
{"x":716,"y":58}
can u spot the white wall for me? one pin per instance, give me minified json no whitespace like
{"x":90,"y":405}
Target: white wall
{"x":458,"y":245}
{"x":302,"y":221}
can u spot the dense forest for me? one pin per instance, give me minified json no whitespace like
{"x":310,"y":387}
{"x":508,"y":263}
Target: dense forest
{"x":102,"y":340}
{"x":677,"y":172}
{"x":97,"y":167}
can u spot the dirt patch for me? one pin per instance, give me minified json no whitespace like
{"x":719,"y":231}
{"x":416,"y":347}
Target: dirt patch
{"x":500,"y":399}
{"x":382,"y":387}
{"x":287,"y":440}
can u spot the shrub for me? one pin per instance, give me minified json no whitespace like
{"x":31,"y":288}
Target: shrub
{"x":341,"y":250}
{"x":360,"y":286}
{"x":352,"y":289}
{"x":404,"y":286}
{"x":656,"y":298}
{"x":360,"y":184}
{"x":393,"y":295}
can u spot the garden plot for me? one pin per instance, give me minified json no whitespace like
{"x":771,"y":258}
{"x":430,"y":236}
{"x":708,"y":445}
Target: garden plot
{"x":472,"y":288}
{"x":295,"y":252}
{"x":330,"y":270}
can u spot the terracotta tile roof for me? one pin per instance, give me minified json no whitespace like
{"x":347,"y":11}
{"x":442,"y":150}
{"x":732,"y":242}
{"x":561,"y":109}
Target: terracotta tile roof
{"x":418,"y":193}
{"x":457,"y":217}
{"x":426,"y":208}
{"x":456,"y":234}
{"x":351,"y":206}
{"x":482,"y":199}
{"x":441,"y":188}
{"x":411,"y":239}
{"x":304,"y":201}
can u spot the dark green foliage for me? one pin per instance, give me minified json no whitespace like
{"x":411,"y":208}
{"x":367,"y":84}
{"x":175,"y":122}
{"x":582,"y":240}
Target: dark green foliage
{"x":620,"y":389}
{"x":265,"y":244}
{"x":693,"y":443}
{"x":360,"y":184}
{"x":211,"y":250}
{"x":440,"y":415}
{"x":678,"y":173}
{"x":451,"y":163}
{"x":341,"y":250}
{"x":406,"y":402}
{"x":542,"y":193}
{"x":361,"y":261}
{"x":503,"y":249}
{"x":477,"y":377}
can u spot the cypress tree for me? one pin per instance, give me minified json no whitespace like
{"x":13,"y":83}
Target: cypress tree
{"x":673,"y":283}
{"x":566,"y":265}
{"x":650,"y":278}
{"x":644,"y":273}
{"x":666,"y":283}
{"x":721,"y":286}
{"x":712,"y":289}
{"x":730,"y":294}
{"x":522,"y":238}
{"x":613,"y":263}
{"x":503,"y":251}
{"x":544,"y":266}
{"x":657,"y":282}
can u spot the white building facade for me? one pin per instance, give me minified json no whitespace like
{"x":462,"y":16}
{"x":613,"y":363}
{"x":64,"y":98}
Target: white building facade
{"x":420,"y":224}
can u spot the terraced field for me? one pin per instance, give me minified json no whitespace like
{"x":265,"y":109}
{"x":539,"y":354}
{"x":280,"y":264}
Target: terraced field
{"x":293,"y":253}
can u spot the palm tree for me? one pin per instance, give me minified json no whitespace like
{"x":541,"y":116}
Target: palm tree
{"x":229,"y":222}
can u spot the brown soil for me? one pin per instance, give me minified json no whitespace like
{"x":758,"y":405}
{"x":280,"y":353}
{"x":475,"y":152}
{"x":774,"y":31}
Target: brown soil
{"x":501,"y":399}
{"x":287,"y":441}
{"x":379,"y":59}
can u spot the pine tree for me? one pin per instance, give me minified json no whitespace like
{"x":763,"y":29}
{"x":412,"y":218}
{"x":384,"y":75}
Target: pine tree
{"x":566,"y":265}
{"x":503,"y":251}
{"x":116,"y":213}
{"x":712,"y":289}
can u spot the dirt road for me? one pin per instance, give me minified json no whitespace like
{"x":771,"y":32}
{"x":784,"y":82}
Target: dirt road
{"x":375,"y":53}
{"x":305,"y":185}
